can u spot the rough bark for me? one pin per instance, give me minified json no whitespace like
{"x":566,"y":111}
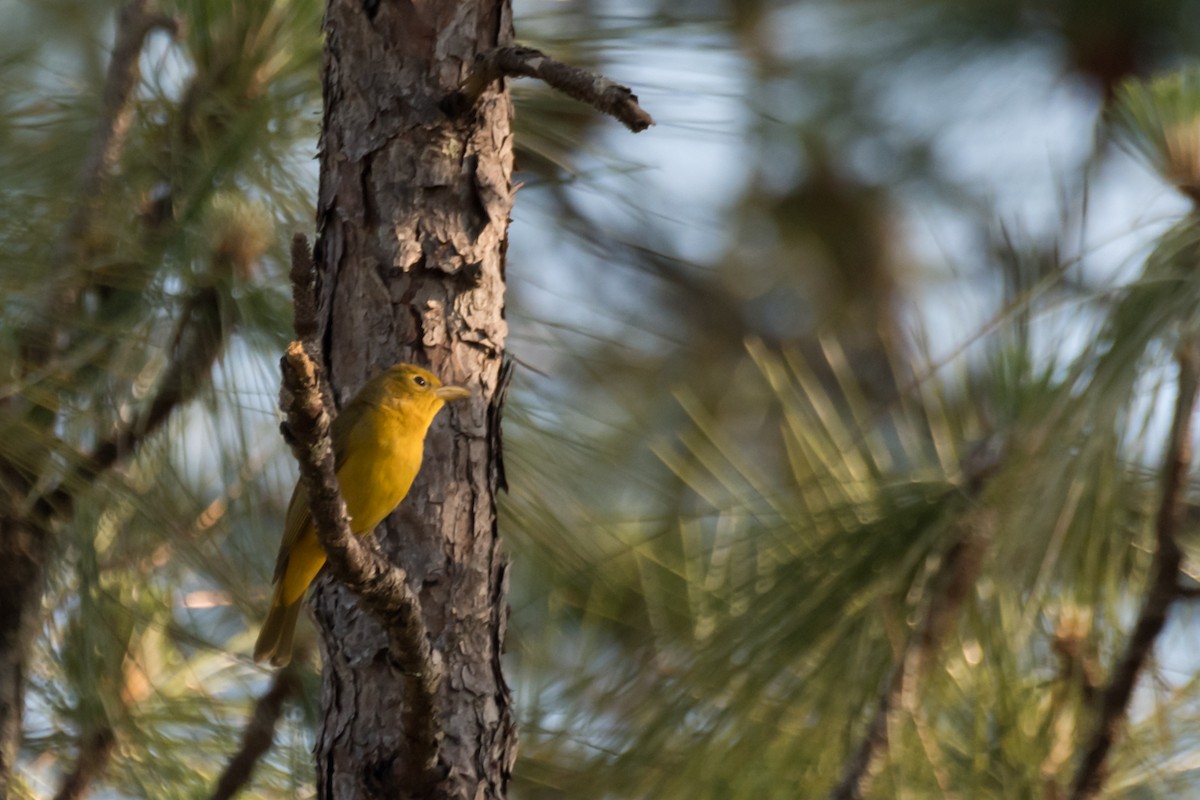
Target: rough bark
{"x":412,"y":224}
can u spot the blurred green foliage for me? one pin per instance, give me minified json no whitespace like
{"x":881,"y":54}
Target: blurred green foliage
{"x":741,"y":456}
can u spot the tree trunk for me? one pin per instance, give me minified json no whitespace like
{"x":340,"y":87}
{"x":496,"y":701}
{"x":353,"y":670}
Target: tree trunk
{"x":412,"y":223}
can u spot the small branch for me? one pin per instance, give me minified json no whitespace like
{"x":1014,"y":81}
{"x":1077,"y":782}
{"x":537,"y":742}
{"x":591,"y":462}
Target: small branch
{"x":304,"y":290}
{"x":199,"y":337}
{"x":953,"y":586}
{"x":259,"y":734}
{"x":1188,"y":592}
{"x":597,"y":91}
{"x":495,"y":436}
{"x":105,"y":147}
{"x":1078,"y":671}
{"x":1077,"y":664}
{"x":95,"y":750}
{"x":134,"y":23}
{"x":305,"y":308}
{"x":955,"y":579}
{"x":1163,"y":588}
{"x":382,"y":586}
{"x":38,"y":342}
{"x":861,"y":769}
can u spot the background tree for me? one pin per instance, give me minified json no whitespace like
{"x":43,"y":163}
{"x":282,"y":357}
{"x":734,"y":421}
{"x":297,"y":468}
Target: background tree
{"x":728,"y":560}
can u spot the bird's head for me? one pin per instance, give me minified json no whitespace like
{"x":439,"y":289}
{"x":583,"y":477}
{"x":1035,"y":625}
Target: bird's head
{"x":410,"y":386}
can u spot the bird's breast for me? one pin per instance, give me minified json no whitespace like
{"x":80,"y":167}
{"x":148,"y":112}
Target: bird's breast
{"x":376,"y":478}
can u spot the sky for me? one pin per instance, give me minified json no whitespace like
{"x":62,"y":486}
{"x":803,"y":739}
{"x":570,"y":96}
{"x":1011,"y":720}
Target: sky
{"x":1005,"y":122}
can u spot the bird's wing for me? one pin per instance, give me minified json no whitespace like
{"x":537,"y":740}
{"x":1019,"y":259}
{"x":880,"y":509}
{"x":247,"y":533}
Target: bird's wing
{"x":297,"y":521}
{"x":299,"y":518}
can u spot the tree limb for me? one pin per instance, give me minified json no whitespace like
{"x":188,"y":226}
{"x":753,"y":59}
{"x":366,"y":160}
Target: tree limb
{"x":1163,"y":588}
{"x":304,"y":290}
{"x":606,"y":96}
{"x":860,"y":770}
{"x":306,"y":306}
{"x":135,"y":21}
{"x":197,"y":346}
{"x":953,"y":583}
{"x":95,"y":750}
{"x":382,"y":586}
{"x":1189,"y":592}
{"x":199,"y":336}
{"x":901,"y":692}
{"x":259,"y":734}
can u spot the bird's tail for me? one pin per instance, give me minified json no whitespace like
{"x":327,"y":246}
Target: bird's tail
{"x":275,"y":638}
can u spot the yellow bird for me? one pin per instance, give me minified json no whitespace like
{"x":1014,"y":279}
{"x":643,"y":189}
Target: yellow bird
{"x":378,"y":440}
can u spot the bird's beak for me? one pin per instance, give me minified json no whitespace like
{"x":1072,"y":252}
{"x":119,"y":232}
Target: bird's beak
{"x":448,"y":393}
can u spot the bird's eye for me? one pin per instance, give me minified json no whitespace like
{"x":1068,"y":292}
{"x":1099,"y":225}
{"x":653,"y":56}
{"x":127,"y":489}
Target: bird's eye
{"x":419,"y":381}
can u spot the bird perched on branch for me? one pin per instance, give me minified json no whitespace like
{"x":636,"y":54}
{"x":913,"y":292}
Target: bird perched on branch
{"x":378,"y":441}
